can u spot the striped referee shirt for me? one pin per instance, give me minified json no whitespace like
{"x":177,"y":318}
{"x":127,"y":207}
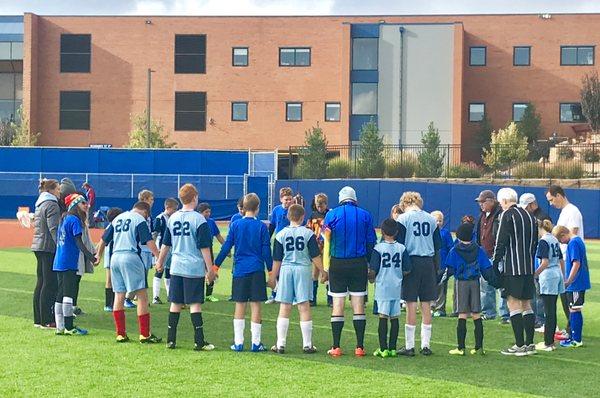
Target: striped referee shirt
{"x":516,"y":242}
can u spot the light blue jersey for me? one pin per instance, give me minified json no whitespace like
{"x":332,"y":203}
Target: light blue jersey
{"x":187,"y":233}
{"x":389,"y":260}
{"x":127,"y":232}
{"x":295,"y":246}
{"x":549,"y":247}
{"x":551,"y":279}
{"x":419,"y":233}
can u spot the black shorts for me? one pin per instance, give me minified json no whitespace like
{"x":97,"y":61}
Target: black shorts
{"x":520,"y":287}
{"x":67,"y":285}
{"x":576,"y":299}
{"x":251,"y":287}
{"x":421,"y":282}
{"x":184,"y":290}
{"x":348,"y":276}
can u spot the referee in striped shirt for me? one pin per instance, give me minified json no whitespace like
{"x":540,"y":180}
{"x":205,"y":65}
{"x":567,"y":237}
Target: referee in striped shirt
{"x":516,"y":244}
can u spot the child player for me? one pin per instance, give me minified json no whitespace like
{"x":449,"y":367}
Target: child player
{"x":250,"y":237}
{"x":205,"y":210}
{"x":160,"y":229}
{"x":127,"y":232}
{"x":389,"y":263}
{"x":188,"y":239}
{"x":109,"y":295}
{"x":295,"y":250}
{"x":240,"y":213}
{"x":315,"y":224}
{"x":439,"y":305}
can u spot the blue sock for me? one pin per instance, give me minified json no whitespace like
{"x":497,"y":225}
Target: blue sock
{"x":576,"y":319}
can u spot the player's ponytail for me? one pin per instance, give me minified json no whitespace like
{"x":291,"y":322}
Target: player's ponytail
{"x":545,"y":225}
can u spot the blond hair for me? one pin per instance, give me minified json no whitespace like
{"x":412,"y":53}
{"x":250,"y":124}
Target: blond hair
{"x":546,"y":225}
{"x":411,"y":198}
{"x":251,"y":202}
{"x":559,"y":231}
{"x":438,"y":215}
{"x":145,"y":195}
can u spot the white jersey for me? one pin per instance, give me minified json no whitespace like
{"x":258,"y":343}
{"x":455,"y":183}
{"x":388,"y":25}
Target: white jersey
{"x":295,"y":246}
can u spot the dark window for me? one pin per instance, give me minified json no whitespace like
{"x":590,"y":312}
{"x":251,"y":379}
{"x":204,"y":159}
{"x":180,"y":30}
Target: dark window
{"x":332,"y":111}
{"x":477,"y":56}
{"x":190,"y":111}
{"x":364,"y":53}
{"x":74,"y":110}
{"x":364,"y":98}
{"x":239,"y":56}
{"x":577,"y":55}
{"x":239,"y":111}
{"x":518,"y":111}
{"x":571,"y":113}
{"x":476,"y":112}
{"x":75,"y":53}
{"x":293,"y":111}
{"x":289,"y":56}
{"x":190,"y":53}
{"x":521,"y":56}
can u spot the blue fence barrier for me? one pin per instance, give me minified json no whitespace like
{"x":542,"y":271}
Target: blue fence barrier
{"x":454,"y":200}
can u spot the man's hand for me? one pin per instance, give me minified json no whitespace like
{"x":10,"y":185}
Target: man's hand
{"x":158,"y":267}
{"x":371,"y":276}
{"x":272,"y":282}
{"x":210,"y":275}
{"x":96,"y":261}
{"x":324,"y":276}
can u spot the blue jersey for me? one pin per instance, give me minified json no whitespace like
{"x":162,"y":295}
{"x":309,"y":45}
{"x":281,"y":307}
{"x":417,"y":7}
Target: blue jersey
{"x":235,"y":217}
{"x":447,"y":244}
{"x":295,"y":246}
{"x":279,"y":218}
{"x":390,"y":261}
{"x":67,"y":252}
{"x":549,"y":247}
{"x":187,"y":233}
{"x":128,"y":231}
{"x":467,"y":262}
{"x":250,"y":237}
{"x":352,"y":232}
{"x":419,"y":233}
{"x":150,"y":228}
{"x":213,"y":228}
{"x":576,"y":252}
{"x":160,"y":228}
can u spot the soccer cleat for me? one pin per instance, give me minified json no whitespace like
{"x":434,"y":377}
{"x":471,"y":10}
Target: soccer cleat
{"x":334,"y":352}
{"x":515,"y":350}
{"x":171,"y":345}
{"x":271,"y":300}
{"x":505,"y":321}
{"x":426,"y":351}
{"x":487,"y":317}
{"x":59,"y":332}
{"x":237,"y":347}
{"x":571,"y":343}
{"x":540,"y":329}
{"x":122,"y":338}
{"x":561,"y":336}
{"x":108,"y":308}
{"x":50,"y":325}
{"x":75,"y":332}
{"x":258,"y":347}
{"x":541,"y":346}
{"x":309,"y":350}
{"x":313,"y":303}
{"x":476,"y":351}
{"x":530,"y":349}
{"x":457,"y":351}
{"x":406,"y":352}
{"x":359,"y":352}
{"x":439,"y":314}
{"x":392,"y":353}
{"x":78,"y":311}
{"x":152,"y":339}
{"x":278,"y":350}
{"x":37,"y":325}
{"x":156,"y":300}
{"x":212,"y":299}
{"x":381,"y":353}
{"x":129,"y":304}
{"x":206,"y":346}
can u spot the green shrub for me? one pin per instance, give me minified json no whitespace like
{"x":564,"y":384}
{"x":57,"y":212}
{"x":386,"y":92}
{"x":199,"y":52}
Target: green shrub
{"x":565,"y":152}
{"x":338,"y":168}
{"x":529,"y":170}
{"x":464,"y":170}
{"x":313,"y":157}
{"x":431,"y":158}
{"x":371,"y":163}
{"x":508,"y":147}
{"x":404,"y":166}
{"x":569,"y":170}
{"x":590,"y":155}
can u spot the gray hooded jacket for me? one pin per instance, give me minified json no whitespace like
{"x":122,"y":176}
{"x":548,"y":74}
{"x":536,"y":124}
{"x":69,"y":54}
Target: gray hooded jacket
{"x":47,"y":218}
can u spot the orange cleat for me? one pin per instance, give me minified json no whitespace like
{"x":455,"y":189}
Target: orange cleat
{"x":359,"y":352}
{"x":335,"y":352}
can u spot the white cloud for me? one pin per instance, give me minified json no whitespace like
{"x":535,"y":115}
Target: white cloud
{"x":233,"y":7}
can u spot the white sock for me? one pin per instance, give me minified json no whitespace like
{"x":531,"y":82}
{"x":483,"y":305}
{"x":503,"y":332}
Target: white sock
{"x":425,"y":335}
{"x":409,"y":335}
{"x":306,"y":327}
{"x":67,"y":306}
{"x":255,"y":328}
{"x":155,"y":287}
{"x":238,"y":331}
{"x":167,"y":285}
{"x":59,"y":317}
{"x":282,"y":329}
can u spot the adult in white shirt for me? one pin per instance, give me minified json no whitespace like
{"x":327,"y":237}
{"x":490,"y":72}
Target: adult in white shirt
{"x":570,"y":216}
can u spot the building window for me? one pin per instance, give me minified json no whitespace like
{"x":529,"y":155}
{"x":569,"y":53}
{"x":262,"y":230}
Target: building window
{"x":293,"y":111}
{"x":571,"y":113}
{"x":190,"y":111}
{"x":74,"y":110}
{"x":518,"y":111}
{"x":239,"y":111}
{"x":239,"y":56}
{"x":577,"y":55}
{"x":11,"y":51}
{"x":521,"y":56}
{"x":476,"y":112}
{"x":190,"y":53}
{"x":364,"y":98}
{"x":332,"y":111}
{"x":294,"y":56}
{"x":477,"y":56}
{"x":75,"y":53}
{"x":365,"y":53}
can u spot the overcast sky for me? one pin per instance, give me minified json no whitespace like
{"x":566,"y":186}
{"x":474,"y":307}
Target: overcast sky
{"x":292,"y":7}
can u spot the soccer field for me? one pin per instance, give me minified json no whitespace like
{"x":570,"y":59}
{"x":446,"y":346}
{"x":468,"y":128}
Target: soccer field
{"x":36,"y":362}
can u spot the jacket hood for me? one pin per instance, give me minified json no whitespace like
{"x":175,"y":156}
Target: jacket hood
{"x":44,"y":197}
{"x":467,"y":251}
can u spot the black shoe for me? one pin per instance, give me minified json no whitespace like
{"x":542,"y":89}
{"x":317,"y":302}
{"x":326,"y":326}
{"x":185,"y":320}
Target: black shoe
{"x":426,"y":351}
{"x":78,"y":311}
{"x":407,"y":353}
{"x":171,"y":345}
{"x":313,"y":303}
{"x":278,"y":350}
{"x":309,"y":350}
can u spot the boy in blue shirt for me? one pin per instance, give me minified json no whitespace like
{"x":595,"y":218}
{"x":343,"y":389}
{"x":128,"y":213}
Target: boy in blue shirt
{"x":387,"y":267}
{"x":468,"y":262}
{"x":439,"y":305}
{"x":158,"y":231}
{"x":240,"y":213}
{"x":205,"y":210}
{"x":250,"y":237}
{"x":577,"y":281}
{"x":188,"y":239}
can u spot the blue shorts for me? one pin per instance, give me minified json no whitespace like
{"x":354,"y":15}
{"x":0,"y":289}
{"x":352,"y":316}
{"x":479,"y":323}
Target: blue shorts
{"x":389,"y":308}
{"x":186,"y":290}
{"x":148,"y":259}
{"x":295,"y":285}
{"x":251,"y":287}
{"x":551,"y":281}
{"x":127,"y":272}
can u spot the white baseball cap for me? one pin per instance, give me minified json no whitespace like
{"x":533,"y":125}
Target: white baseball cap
{"x":347,"y":193}
{"x":526,"y":199}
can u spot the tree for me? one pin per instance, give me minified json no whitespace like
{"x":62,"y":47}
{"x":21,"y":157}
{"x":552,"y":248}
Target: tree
{"x":507,"y":148}
{"x":590,"y":99}
{"x":313,"y":157}
{"x":484,"y":133}
{"x":17,"y":132}
{"x":7,"y":133}
{"x":530,"y":124}
{"x":431,"y":158}
{"x":138,"y":137}
{"x":371,"y":162}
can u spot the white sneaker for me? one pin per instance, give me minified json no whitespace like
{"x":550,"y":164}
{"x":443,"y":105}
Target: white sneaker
{"x":271,"y":300}
{"x":541,"y":346}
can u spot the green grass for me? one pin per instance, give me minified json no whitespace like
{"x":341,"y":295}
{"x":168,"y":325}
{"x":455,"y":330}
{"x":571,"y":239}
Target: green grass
{"x":35,"y":362}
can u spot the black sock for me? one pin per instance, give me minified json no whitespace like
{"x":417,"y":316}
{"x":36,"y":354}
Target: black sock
{"x":383,"y":329}
{"x":478,"y":333}
{"x":69,"y":322}
{"x":360,"y":323}
{"x":209,"y":288}
{"x":394,"y":329}
{"x":529,"y":327}
{"x":198,"y":328}
{"x":461,"y":333}
{"x":550,"y":326}
{"x":315,"y":289}
{"x":516,"y":320}
{"x":172,"y":332}
{"x":337,"y":324}
{"x":329,"y":298}
{"x":109,"y":297}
